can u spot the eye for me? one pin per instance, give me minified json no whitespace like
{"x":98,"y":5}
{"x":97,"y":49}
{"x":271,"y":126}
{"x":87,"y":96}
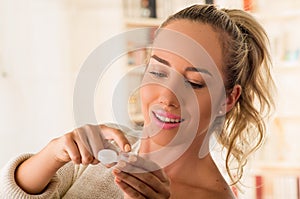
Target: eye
{"x":158,"y":74}
{"x":195,"y":85}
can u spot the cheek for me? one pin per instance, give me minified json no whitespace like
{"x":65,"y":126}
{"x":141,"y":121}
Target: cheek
{"x":204,"y":104}
{"x":147,"y":96}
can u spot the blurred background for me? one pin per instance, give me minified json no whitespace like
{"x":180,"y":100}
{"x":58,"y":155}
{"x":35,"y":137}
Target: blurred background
{"x":43,"y":44}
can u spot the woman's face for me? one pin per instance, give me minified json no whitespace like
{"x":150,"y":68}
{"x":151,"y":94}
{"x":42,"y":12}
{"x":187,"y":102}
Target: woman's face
{"x":181,"y":91}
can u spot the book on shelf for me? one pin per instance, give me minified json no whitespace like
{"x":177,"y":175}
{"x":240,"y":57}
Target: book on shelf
{"x":271,"y":186}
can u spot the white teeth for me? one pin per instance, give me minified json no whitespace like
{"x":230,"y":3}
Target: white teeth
{"x":166,"y":119}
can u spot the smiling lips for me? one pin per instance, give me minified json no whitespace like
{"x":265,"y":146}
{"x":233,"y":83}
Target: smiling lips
{"x":167,"y":120}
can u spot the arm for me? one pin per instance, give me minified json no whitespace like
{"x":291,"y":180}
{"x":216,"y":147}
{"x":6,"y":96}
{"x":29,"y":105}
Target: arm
{"x":80,"y":146}
{"x":34,"y":174}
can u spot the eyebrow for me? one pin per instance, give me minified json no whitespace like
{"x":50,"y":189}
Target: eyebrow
{"x":163,"y":61}
{"x":190,"y":69}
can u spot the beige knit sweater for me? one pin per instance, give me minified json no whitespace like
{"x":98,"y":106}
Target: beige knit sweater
{"x":71,"y":181}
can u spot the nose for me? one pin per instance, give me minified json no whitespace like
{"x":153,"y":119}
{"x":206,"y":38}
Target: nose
{"x":168,"y":98}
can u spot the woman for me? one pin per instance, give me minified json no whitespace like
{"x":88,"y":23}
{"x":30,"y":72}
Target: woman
{"x":184,"y":99}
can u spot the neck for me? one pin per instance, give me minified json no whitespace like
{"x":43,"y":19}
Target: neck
{"x":187,"y":160}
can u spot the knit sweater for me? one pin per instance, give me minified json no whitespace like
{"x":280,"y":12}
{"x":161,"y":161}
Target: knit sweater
{"x":70,"y":181}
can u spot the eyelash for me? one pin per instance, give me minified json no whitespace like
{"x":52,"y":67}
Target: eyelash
{"x":158,"y":74}
{"x":192,"y":84}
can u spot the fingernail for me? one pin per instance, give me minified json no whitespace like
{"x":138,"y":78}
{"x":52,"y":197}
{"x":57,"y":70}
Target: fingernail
{"x":117,"y":170}
{"x":121,"y":164}
{"x":132,"y":158}
{"x":117,"y":179}
{"x":127,"y":148}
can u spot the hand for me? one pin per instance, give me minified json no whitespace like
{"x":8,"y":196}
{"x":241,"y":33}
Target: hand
{"x":140,"y":178}
{"x":83,"y":144}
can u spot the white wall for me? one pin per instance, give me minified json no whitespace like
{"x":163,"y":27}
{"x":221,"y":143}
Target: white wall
{"x":42,"y":45}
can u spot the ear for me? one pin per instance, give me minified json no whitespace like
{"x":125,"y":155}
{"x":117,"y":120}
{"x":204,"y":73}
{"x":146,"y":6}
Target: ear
{"x":231,"y":99}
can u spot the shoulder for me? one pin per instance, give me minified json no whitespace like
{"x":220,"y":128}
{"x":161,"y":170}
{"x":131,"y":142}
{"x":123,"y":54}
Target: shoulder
{"x":225,"y":195}
{"x":220,"y":190}
{"x":181,"y":190}
{"x":224,"y":192}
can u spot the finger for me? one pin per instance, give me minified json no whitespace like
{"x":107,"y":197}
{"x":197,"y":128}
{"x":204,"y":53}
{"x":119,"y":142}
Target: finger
{"x":136,"y":163}
{"x":72,"y":149}
{"x":86,"y":156}
{"x":95,"y":161}
{"x":128,"y":190}
{"x":125,"y":166}
{"x":117,"y":135}
{"x":150,"y":166}
{"x":132,"y":186}
{"x":161,"y":175}
{"x":110,"y":165}
{"x":152,"y":181}
{"x":91,"y":137}
{"x":149,"y":178}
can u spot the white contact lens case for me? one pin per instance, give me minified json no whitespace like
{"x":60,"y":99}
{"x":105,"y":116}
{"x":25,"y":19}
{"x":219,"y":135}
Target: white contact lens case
{"x":107,"y":156}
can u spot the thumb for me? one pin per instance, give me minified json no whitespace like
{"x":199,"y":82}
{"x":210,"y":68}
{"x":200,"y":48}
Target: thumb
{"x":117,"y":137}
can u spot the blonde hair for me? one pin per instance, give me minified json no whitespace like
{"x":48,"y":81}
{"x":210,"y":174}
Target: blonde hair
{"x":246,"y":62}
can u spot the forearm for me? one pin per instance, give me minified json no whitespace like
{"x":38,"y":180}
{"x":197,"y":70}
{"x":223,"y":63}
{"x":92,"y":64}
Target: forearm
{"x":34,"y":174}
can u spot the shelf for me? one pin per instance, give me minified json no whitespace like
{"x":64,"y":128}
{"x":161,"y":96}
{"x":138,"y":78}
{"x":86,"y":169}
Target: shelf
{"x":281,"y":168}
{"x":138,"y":119}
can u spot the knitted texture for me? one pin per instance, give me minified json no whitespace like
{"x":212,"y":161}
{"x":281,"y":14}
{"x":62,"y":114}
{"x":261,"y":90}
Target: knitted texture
{"x":71,"y":181}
